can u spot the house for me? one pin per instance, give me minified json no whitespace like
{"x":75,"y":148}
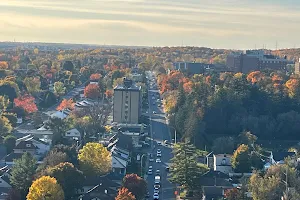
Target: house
{"x":99,"y":188}
{"x":278,"y":158}
{"x":61,"y":114}
{"x":83,"y":104}
{"x":120,"y":160}
{"x":42,"y":146}
{"x":222,"y":163}
{"x":5,"y":185}
{"x":21,"y":148}
{"x":73,"y":134}
{"x":214,"y":183}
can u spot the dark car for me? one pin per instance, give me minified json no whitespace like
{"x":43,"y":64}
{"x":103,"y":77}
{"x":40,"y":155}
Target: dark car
{"x":167,"y":169}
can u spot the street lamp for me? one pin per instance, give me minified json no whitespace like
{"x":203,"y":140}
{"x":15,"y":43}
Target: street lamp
{"x":142,"y":165}
{"x":175,"y":134}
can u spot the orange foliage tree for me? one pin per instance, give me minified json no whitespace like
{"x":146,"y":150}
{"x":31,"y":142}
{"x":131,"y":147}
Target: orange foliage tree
{"x":255,"y":77}
{"x":292,"y":85}
{"x":95,"y":77}
{"x":92,"y":91}
{"x":27,"y":103}
{"x":109,"y":93}
{"x":3,"y":65}
{"x":66,"y":104}
{"x":124,"y":194}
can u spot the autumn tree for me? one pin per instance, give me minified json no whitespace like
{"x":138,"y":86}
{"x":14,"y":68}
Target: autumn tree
{"x":5,"y":126}
{"x":59,"y":88}
{"x":247,"y":138}
{"x":136,"y":185}
{"x":67,"y":176}
{"x":92,"y":91}
{"x":125,"y":194}
{"x":95,"y":77}
{"x":33,"y":84}
{"x":27,"y":103}
{"x":4,"y":103}
{"x":234,"y":194}
{"x":45,"y":187}
{"x":94,"y":159}
{"x":3,"y":65}
{"x":66,"y":104}
{"x":22,"y":173}
{"x":109,"y":94}
{"x":240,"y":160}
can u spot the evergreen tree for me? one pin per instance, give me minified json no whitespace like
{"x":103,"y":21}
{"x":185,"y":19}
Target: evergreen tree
{"x":22,"y":173}
{"x":185,"y":170}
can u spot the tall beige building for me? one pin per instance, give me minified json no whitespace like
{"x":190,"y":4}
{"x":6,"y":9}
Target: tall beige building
{"x":127,"y":103}
{"x":297,"y":67}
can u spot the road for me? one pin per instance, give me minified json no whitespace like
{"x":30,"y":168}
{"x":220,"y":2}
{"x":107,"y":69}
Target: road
{"x":160,"y":132}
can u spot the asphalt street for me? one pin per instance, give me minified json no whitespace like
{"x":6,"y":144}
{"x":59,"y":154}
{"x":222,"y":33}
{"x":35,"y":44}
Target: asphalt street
{"x":160,"y":133}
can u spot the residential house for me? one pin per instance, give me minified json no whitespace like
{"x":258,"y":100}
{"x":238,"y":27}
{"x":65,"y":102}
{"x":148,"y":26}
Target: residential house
{"x":214,"y":183}
{"x":61,"y":114}
{"x":278,"y":158}
{"x":42,"y":146}
{"x":21,"y":148}
{"x":120,"y":160}
{"x":83,"y":104}
{"x":73,"y":135}
{"x":222,"y":163}
{"x":5,"y":185}
{"x":99,"y":188}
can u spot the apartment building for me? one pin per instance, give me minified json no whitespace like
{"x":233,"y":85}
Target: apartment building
{"x":297,"y":67}
{"x":252,"y":60}
{"x":127,"y":103}
{"x":191,"y":67}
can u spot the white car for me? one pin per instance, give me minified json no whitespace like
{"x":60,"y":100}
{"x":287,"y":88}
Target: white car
{"x":156,"y":191}
{"x":149,"y":171}
{"x":155,"y":196}
{"x":154,"y":112}
{"x":157,"y":172}
{"x":158,"y":155}
{"x":158,"y":160}
{"x":158,"y":151}
{"x":158,"y":143}
{"x":150,"y":167}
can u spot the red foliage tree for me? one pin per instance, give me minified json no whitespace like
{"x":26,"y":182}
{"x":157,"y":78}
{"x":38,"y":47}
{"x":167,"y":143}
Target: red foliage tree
{"x":27,"y":103}
{"x":92,"y":91}
{"x":136,"y":185}
{"x":124,"y":194}
{"x":66,"y":104}
{"x":3,"y":65}
{"x":95,"y":77}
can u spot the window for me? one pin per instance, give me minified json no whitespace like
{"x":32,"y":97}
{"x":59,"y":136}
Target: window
{"x":28,"y":145}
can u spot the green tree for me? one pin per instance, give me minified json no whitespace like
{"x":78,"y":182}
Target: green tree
{"x":37,"y":119}
{"x":59,"y":88}
{"x":50,"y":99}
{"x":67,"y":176}
{"x":22,"y":173}
{"x":59,"y":127}
{"x":184,"y":169}
{"x":33,"y":84}
{"x":241,"y":161}
{"x":94,"y":159}
{"x":5,"y":126}
{"x":68,"y":65}
{"x":247,"y":138}
{"x":10,"y":143}
{"x":136,"y":185}
{"x":223,"y":145}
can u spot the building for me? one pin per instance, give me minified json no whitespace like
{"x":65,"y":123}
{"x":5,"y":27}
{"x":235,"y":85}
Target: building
{"x":42,"y":147}
{"x":222,"y":163}
{"x":127,"y":103}
{"x":192,"y":67}
{"x":252,"y":60}
{"x":297,"y":67}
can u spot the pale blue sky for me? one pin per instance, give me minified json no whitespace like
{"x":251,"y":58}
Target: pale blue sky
{"x":238,"y":24}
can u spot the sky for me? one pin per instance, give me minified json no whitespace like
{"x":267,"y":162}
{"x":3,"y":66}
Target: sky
{"x":232,"y":24}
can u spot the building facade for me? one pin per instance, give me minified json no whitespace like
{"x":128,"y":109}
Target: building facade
{"x":252,"y":60}
{"x":127,"y":103}
{"x":191,"y":67}
{"x":297,"y":67}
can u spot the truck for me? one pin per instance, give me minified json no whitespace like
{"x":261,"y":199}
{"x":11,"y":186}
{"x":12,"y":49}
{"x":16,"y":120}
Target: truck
{"x":157,"y":180}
